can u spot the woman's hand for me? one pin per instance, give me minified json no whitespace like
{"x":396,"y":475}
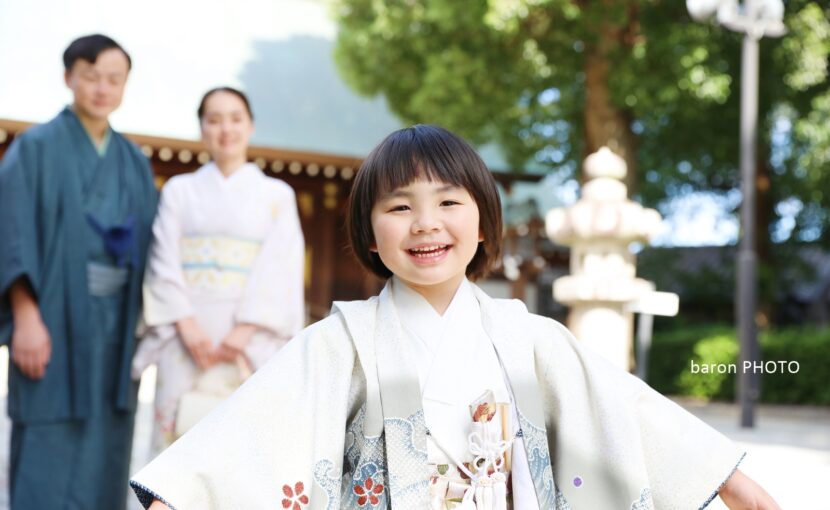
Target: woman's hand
{"x":31,"y":346}
{"x":235,"y":342}
{"x":741,"y":493}
{"x":197,"y":342}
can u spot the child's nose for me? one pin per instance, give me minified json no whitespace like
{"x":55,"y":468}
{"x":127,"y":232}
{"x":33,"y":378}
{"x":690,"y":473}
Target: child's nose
{"x":426,"y":223}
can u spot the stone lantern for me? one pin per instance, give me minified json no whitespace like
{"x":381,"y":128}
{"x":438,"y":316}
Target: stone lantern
{"x":603,"y":290}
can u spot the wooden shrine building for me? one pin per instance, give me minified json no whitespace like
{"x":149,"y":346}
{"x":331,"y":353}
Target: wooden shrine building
{"x":321,"y":182}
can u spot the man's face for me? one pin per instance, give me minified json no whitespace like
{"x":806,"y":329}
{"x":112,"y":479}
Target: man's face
{"x":99,"y":87}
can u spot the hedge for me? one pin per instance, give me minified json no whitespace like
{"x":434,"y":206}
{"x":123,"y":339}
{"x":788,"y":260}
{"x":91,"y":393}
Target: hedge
{"x":672,"y":353}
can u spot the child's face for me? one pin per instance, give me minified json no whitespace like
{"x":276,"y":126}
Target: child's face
{"x":427,"y":233}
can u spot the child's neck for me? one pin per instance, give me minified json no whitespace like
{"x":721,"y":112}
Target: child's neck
{"x":439,"y":296}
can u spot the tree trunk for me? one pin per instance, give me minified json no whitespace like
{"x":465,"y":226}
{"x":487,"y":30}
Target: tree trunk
{"x":763,"y":241}
{"x":606,"y":124}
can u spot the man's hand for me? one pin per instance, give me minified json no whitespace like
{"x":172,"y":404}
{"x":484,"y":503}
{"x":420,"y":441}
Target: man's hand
{"x":197,"y":342}
{"x":31,"y":346}
{"x":235,"y":342}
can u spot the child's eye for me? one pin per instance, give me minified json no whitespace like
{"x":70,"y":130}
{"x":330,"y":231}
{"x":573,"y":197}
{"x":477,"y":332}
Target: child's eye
{"x":450,"y":202}
{"x":395,"y":208}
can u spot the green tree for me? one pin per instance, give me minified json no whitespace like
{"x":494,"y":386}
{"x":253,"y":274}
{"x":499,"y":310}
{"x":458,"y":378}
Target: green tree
{"x":552,"y":80}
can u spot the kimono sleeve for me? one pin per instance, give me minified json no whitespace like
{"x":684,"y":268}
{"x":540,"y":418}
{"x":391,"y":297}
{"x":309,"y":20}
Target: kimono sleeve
{"x":165,"y":290}
{"x":687,"y":460}
{"x":274,"y":296}
{"x":650,"y":449}
{"x":280,"y":438}
{"x":19,"y":246}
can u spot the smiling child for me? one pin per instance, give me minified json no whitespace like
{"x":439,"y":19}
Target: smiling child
{"x":433,"y":395}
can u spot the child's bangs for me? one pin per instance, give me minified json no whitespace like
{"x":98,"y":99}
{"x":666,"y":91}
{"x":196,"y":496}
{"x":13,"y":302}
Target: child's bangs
{"x":437,"y":155}
{"x":405,"y":168}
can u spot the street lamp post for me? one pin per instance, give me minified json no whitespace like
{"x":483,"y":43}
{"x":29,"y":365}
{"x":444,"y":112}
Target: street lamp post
{"x":755,"y":19}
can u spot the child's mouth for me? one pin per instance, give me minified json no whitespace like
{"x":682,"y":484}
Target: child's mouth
{"x":429,"y":252}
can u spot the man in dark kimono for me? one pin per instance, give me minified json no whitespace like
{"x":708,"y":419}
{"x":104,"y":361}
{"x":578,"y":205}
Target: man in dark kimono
{"x":77,"y":202}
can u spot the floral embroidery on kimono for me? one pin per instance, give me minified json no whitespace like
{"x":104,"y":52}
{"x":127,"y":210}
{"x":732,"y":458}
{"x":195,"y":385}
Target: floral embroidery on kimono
{"x":294,"y":498}
{"x":365,"y":474}
{"x":339,"y":410}
{"x":538,"y":459}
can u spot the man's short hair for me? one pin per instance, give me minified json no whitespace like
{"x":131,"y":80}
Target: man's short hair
{"x":88,"y":47}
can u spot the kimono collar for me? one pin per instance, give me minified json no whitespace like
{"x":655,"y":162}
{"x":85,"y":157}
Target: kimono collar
{"x":419,"y":317}
{"x":244,"y":173}
{"x":100,"y":149}
{"x":504,"y":320}
{"x":377,"y":330}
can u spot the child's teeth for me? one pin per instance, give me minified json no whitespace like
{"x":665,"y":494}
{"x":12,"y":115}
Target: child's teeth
{"x":428,"y":251}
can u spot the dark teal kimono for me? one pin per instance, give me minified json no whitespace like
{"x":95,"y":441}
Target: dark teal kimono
{"x":72,"y":430}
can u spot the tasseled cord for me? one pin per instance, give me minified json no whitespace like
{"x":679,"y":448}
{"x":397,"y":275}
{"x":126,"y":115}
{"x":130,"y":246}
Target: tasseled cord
{"x":487,"y":491}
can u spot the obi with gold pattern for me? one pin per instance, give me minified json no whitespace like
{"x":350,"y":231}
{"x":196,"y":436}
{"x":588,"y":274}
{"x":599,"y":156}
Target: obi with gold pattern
{"x":217,"y":262}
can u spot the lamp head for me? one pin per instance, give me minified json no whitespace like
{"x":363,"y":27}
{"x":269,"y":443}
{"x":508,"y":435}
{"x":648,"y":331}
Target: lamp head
{"x":756,"y":18}
{"x":770,"y":10}
{"x":703,"y":10}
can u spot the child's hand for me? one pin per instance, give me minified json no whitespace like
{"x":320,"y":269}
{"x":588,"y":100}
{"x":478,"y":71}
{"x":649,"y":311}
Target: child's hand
{"x":741,"y":493}
{"x":197,"y":342}
{"x":234,"y":343}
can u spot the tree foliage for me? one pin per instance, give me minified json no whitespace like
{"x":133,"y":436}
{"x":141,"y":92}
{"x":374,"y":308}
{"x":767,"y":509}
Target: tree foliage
{"x":545,"y":79}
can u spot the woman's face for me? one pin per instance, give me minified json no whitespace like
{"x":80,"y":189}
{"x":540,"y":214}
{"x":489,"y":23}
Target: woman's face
{"x":226,"y":126}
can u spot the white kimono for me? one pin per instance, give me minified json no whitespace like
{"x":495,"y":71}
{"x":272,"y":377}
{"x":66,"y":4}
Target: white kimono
{"x":457,"y":363}
{"x":226,"y":250}
{"x":339,"y":411}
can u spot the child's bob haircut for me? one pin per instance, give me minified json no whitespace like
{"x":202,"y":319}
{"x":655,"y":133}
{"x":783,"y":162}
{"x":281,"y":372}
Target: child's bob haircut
{"x":430,"y":152}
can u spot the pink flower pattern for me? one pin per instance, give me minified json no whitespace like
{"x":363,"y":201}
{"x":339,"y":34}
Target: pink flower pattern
{"x":368,"y":492}
{"x":294,"y":498}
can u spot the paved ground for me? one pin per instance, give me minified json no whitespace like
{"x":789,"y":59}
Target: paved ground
{"x":788,"y":450}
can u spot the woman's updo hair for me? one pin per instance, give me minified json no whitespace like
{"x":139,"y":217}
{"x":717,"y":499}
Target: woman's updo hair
{"x":230,"y":90}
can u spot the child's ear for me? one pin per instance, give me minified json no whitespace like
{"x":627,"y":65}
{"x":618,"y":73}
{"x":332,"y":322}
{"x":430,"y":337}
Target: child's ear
{"x":373,"y":247}
{"x":480,"y":235}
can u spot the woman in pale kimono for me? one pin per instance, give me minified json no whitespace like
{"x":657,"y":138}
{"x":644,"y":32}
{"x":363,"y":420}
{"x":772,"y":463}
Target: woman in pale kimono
{"x":433,"y":395}
{"x":223,"y":289}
